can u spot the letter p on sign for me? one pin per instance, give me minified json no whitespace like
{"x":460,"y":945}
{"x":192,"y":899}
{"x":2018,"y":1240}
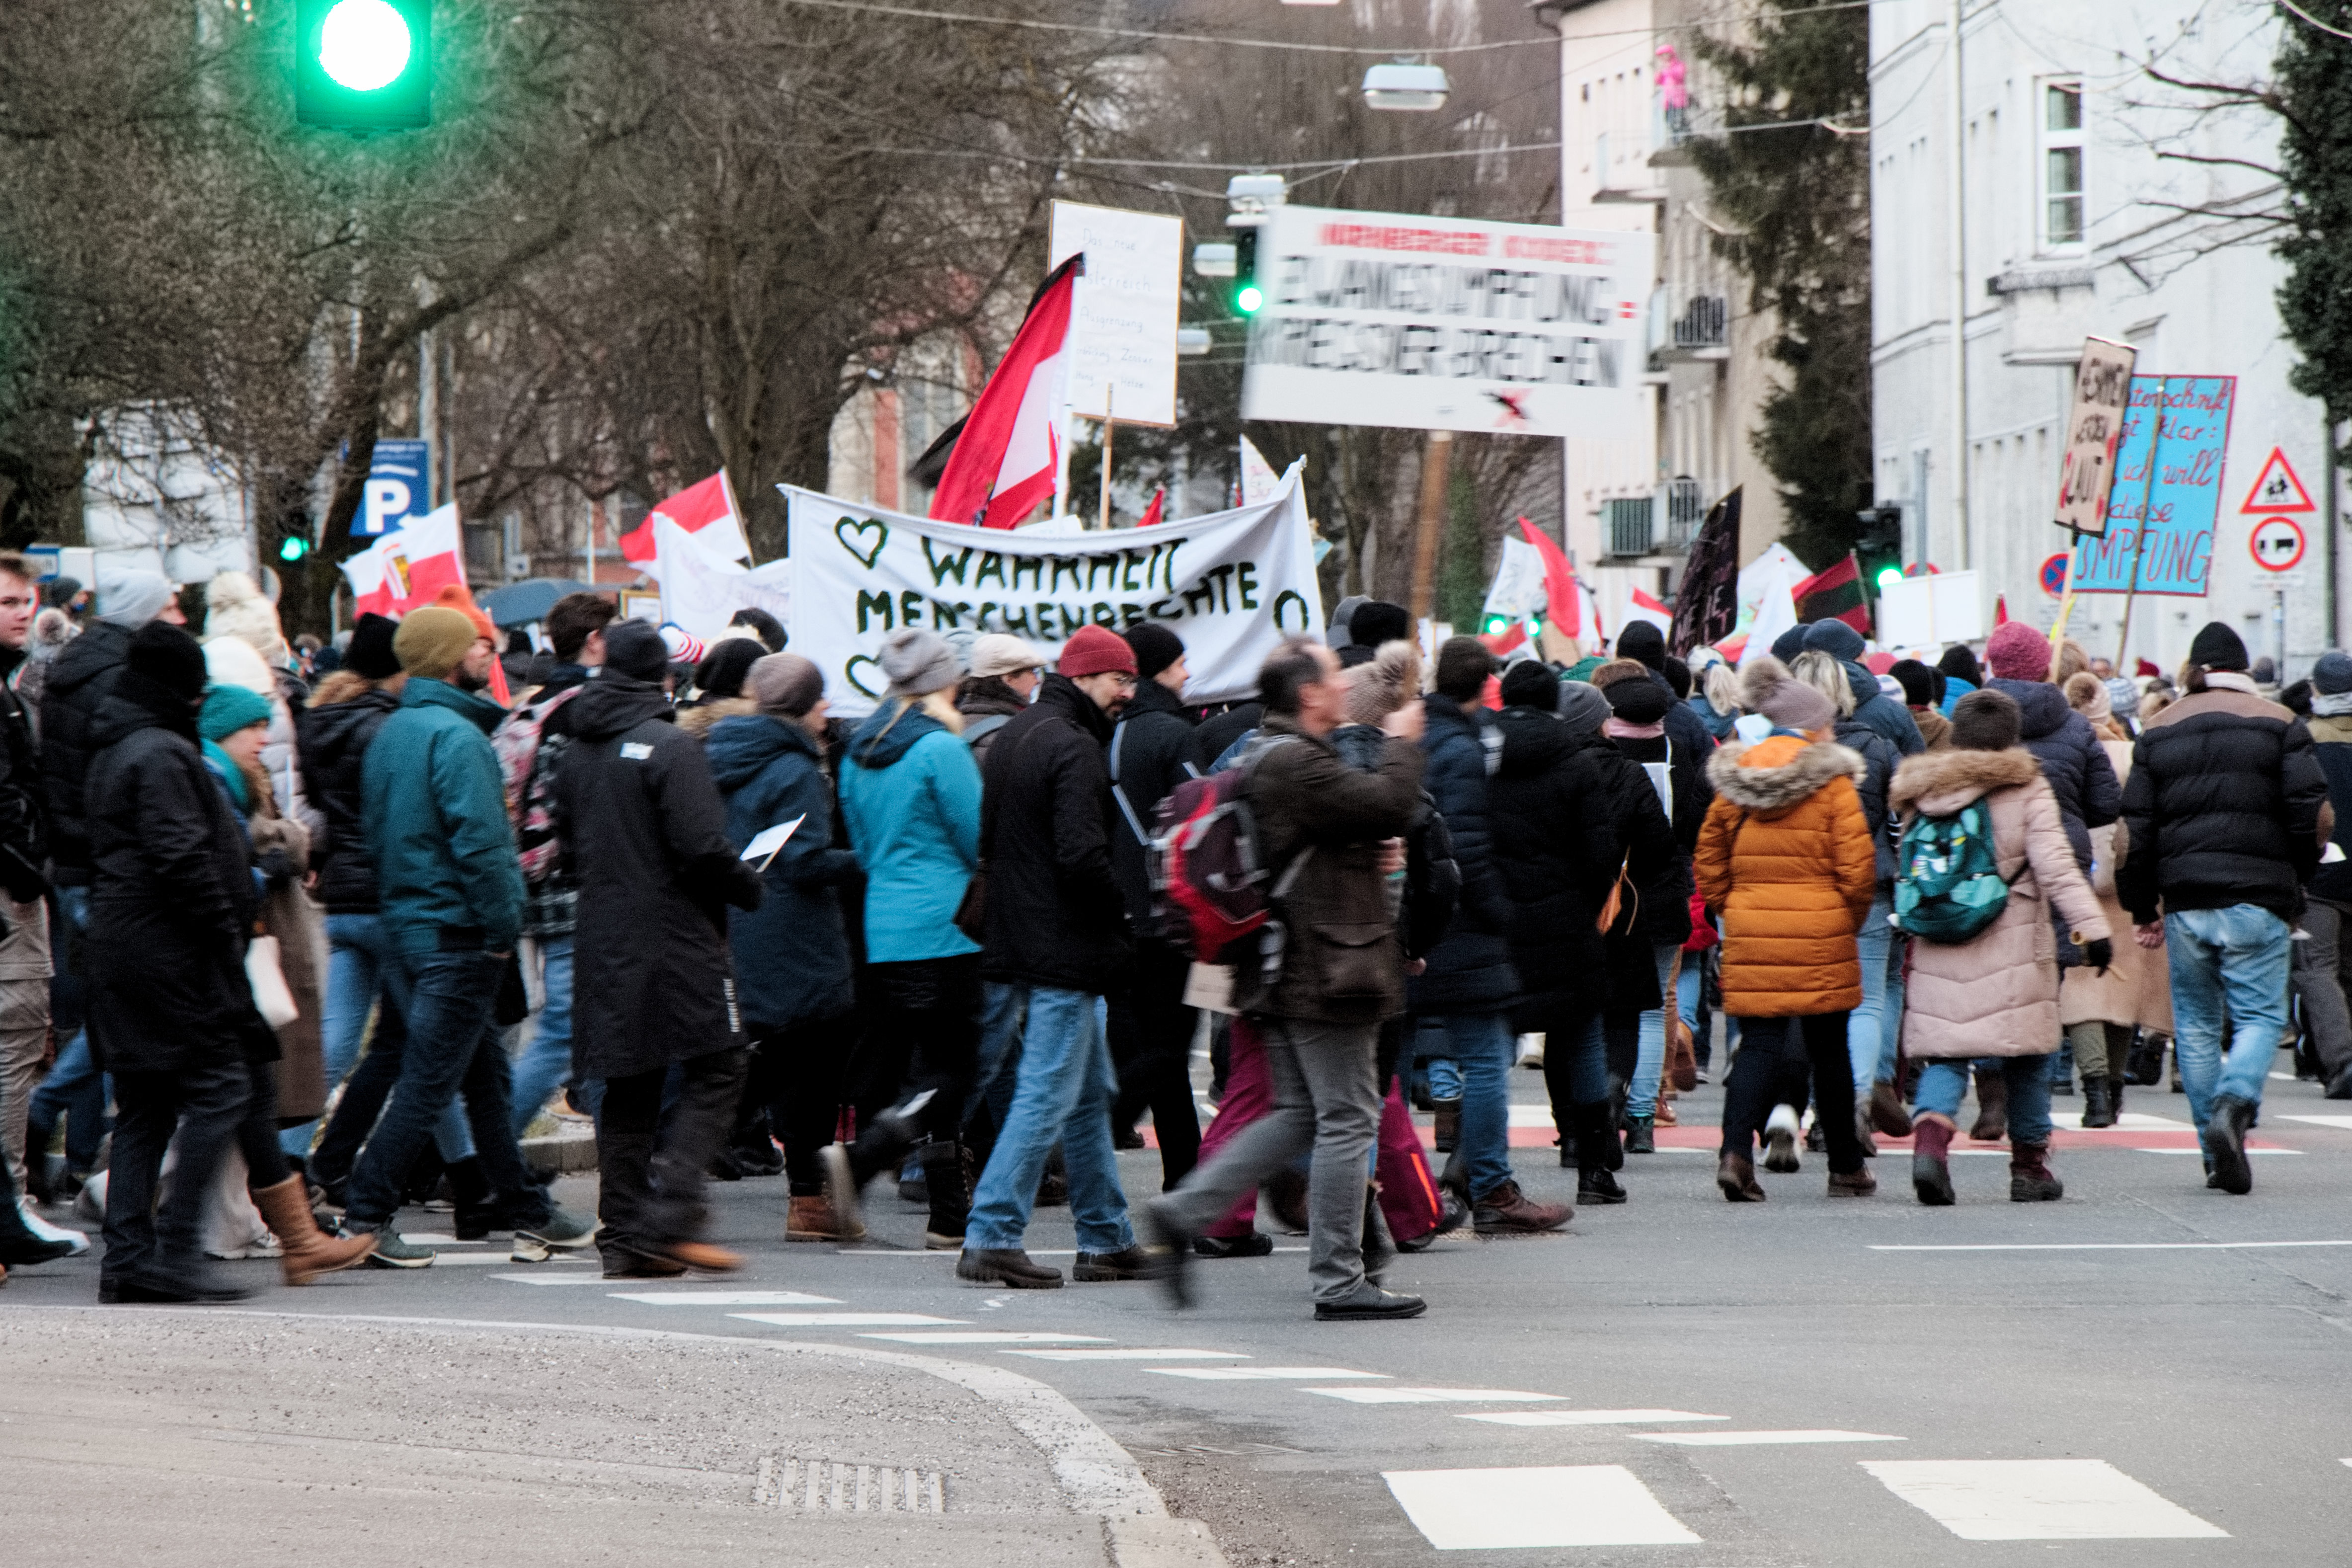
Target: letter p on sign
{"x":387,"y":500}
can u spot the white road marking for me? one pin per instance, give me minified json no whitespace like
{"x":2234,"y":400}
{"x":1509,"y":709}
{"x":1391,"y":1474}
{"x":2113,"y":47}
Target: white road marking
{"x":725,"y":1299}
{"x":845,"y":1319}
{"x":987,"y":1337}
{"x":1558,"y":1505}
{"x":1128,"y":1353}
{"x":2201,"y":1150}
{"x":564,"y":1278}
{"x":2107,"y":1246}
{"x":1591,"y":1417}
{"x":2343,"y":1122}
{"x":1762,"y":1439}
{"x":1400,"y":1395}
{"x":476,"y":1259}
{"x":1258,"y":1373}
{"x":2131,"y":1119}
{"x":429,"y":1238}
{"x":1524,"y":1115}
{"x":2038,"y":1500}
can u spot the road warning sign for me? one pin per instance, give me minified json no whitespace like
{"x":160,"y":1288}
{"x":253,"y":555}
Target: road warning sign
{"x":2276,"y":488}
{"x":2277,"y":544}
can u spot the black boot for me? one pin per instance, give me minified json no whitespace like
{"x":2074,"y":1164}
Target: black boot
{"x":2225,"y":1144}
{"x":623,"y":1184}
{"x":1992,"y":1107}
{"x":949,"y":1184}
{"x":470,"y":1190}
{"x":2115,"y":1082}
{"x":2097,"y":1110}
{"x":1596,"y":1141}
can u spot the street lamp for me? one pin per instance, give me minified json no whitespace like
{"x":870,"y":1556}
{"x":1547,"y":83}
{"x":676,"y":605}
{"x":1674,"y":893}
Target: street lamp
{"x":1401,"y":85}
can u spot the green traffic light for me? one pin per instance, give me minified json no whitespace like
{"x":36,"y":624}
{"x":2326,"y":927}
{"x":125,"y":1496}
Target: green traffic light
{"x":293,"y":548}
{"x":365,"y":45}
{"x":1248,"y":297}
{"x":1888,"y":574}
{"x":363,"y":65}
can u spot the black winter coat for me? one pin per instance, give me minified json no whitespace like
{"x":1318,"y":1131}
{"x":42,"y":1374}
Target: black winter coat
{"x":1879,"y":761}
{"x":792,"y":954}
{"x":1219,"y":732}
{"x":1056,"y":914}
{"x":1470,"y":971}
{"x":24,"y":806}
{"x":1665,"y":912}
{"x":2226,"y":805}
{"x":172,"y":900}
{"x":1154,"y":749}
{"x":332,"y":743}
{"x":646,"y":832}
{"x":2074,"y":764}
{"x":1876,"y":711}
{"x":1568,"y":810}
{"x":78,"y":684}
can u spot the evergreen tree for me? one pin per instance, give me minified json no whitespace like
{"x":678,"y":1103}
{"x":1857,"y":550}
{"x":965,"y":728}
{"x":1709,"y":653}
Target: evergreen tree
{"x":2313,"y":96}
{"x":1798,"y":198}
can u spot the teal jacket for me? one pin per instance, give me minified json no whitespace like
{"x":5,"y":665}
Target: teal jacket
{"x":435,"y":809}
{"x":910,"y":794}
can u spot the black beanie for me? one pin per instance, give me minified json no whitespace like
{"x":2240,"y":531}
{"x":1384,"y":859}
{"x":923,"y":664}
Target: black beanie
{"x":634,"y":649}
{"x":371,"y":652}
{"x":1790,"y":644}
{"x":1531,"y":683}
{"x":1643,"y":641}
{"x":1637,"y":699}
{"x":169,"y":657}
{"x":1156,"y":648}
{"x":1376,"y":621}
{"x":2218,"y":648}
{"x":722,"y":670}
{"x":1918,"y":682}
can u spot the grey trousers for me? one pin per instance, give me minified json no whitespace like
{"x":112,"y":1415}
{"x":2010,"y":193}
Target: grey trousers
{"x":2319,"y":969}
{"x":2099,"y":1049}
{"x":24,"y":1037}
{"x":1325,"y":1100}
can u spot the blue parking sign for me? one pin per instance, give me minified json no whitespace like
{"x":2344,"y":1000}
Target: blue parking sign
{"x":398,"y":490}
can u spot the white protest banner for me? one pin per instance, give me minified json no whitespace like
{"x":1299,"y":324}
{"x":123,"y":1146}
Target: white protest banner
{"x":1431,"y":324}
{"x":1230,"y":583}
{"x":1518,"y":585}
{"x":1121,"y":359}
{"x":702,"y":589}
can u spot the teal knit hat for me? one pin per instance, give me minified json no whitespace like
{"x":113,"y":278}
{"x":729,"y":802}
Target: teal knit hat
{"x":228,"y":709}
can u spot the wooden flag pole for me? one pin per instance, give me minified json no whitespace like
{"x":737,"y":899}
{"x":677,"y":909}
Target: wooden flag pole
{"x":1435,"y":457}
{"x":1109,"y":388}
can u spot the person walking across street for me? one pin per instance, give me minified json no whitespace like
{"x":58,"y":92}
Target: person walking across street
{"x":451,"y":903}
{"x":646,"y":833}
{"x":1786,"y":865}
{"x":1058,"y":937}
{"x":1327,"y":971}
{"x":2101,"y":1011}
{"x":2324,"y":963}
{"x":2226,"y":812}
{"x":1991,"y":992}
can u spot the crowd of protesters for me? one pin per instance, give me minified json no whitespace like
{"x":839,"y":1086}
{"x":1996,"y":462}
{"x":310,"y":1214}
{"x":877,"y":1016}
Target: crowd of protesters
{"x":298,"y":938}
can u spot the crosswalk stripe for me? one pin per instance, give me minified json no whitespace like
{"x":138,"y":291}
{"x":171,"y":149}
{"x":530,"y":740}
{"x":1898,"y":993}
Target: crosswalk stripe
{"x":2038,"y":1500}
{"x":725,"y":1299}
{"x":845,"y":1319}
{"x":1556,"y":1505}
{"x":988,"y":1337}
{"x":1762,"y":1439}
{"x":569,"y":1277}
{"x":1253,"y":1373}
{"x":1130,"y":1352}
{"x":1384,"y":1395}
{"x":1585,"y":1417}
{"x":2339,"y":1122}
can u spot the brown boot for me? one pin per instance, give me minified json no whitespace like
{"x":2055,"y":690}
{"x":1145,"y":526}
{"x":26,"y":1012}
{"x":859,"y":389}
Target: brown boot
{"x":1735,"y":1174}
{"x":1887,"y":1112}
{"x":1449,"y":1124}
{"x":702,"y":1257}
{"x":813,"y":1219}
{"x":2031,"y":1180}
{"x":1992,"y":1107}
{"x":307,"y":1252}
{"x":1507,"y":1210}
{"x":1931,"y":1168}
{"x":1858,"y":1185}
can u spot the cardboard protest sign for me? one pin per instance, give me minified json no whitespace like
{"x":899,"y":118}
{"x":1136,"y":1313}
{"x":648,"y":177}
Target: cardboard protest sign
{"x":1230,"y":583}
{"x":2167,"y":491}
{"x":2093,"y":429}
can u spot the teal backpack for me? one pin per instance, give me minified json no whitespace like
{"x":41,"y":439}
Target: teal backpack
{"x":1948,"y":884}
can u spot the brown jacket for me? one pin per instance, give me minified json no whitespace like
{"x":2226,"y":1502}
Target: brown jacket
{"x":295,"y":919}
{"x":1342,"y":964}
{"x":2137,"y":987}
{"x":1934,"y":728}
{"x":1785,"y":860}
{"x":1996,"y":994}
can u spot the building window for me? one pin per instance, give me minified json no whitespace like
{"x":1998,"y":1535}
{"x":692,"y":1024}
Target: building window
{"x":2061,"y":163}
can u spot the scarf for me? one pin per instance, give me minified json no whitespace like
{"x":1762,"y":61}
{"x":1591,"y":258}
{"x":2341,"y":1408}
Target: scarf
{"x":2230,"y":680}
{"x":1618,"y":728}
{"x":231,"y":777}
{"x":2328,"y":704}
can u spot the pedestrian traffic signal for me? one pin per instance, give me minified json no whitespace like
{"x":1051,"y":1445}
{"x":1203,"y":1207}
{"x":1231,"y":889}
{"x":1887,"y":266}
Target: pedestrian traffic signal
{"x":363,"y":65}
{"x":1246,"y":295}
{"x":1878,"y":545}
{"x":293,"y":548}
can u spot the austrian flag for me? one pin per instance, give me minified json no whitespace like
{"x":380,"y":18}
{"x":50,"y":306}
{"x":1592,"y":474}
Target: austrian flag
{"x":706,"y":512}
{"x":1006,"y":458}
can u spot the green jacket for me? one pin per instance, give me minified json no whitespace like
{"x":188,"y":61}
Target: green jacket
{"x":436,"y":822}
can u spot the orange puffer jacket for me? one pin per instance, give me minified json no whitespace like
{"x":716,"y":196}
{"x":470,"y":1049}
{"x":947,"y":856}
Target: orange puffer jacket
{"x":1785,"y":860}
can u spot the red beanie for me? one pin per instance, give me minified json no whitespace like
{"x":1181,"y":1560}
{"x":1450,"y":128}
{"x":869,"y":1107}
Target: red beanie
{"x":1095,"y":651}
{"x":2016,"y":651}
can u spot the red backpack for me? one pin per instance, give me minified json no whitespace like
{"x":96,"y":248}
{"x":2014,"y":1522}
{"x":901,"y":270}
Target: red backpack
{"x":1208,"y":873}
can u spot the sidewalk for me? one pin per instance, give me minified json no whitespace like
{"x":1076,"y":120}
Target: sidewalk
{"x":252,"y":1440}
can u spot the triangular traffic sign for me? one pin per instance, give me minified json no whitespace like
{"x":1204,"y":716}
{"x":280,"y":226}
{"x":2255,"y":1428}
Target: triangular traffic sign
{"x":2276,"y":488}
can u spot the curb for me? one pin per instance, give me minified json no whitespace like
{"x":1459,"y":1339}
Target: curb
{"x":1096,"y":1475}
{"x":560,"y":1156}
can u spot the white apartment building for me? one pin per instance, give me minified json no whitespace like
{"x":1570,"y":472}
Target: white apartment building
{"x":2074,"y":225}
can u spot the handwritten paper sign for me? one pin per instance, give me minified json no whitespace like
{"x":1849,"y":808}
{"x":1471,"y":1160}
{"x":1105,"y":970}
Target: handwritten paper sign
{"x":2167,"y":491}
{"x":2093,"y":425}
{"x":1122,"y":350}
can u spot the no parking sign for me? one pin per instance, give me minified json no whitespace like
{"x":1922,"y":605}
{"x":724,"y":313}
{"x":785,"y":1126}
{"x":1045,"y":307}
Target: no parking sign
{"x":2053,"y":573}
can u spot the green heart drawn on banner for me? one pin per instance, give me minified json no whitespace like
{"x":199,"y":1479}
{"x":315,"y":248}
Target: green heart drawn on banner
{"x":849,"y":673}
{"x":868,"y":556}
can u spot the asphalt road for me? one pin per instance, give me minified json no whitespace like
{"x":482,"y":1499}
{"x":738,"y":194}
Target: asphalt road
{"x":2148,"y":1372}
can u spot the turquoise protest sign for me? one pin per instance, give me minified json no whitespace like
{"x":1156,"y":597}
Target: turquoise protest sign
{"x":2166,"y":492}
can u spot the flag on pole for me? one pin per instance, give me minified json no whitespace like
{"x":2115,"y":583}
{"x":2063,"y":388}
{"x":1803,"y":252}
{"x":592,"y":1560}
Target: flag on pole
{"x":1151,"y":514}
{"x":1563,"y":595}
{"x":1008,"y":452}
{"x":1707,"y":610}
{"x":1833,"y":594}
{"x":700,"y":594}
{"x":1645,"y":608}
{"x":706,"y":510}
{"x":409,"y":566}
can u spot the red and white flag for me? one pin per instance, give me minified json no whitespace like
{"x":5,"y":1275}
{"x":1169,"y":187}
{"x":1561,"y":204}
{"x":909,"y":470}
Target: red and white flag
{"x":408,"y":567}
{"x":706,"y":512}
{"x":1641,"y":606}
{"x":1006,"y":459}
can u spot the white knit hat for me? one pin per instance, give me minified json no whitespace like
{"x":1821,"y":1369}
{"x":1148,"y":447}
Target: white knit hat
{"x":236,"y":608}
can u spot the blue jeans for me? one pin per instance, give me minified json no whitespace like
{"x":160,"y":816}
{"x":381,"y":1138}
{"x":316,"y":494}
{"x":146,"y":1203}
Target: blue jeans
{"x":1063,"y":1095}
{"x":2227,"y":965}
{"x":77,"y":1090}
{"x":547,"y":1060}
{"x":1484,"y":1048}
{"x":358,"y":972}
{"x":452,"y":1043}
{"x":1943,"y":1083}
{"x":1872,"y":1028}
{"x":1649,"y":1058}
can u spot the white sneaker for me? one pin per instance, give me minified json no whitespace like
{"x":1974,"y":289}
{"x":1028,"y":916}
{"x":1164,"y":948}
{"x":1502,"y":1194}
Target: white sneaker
{"x":47,"y":1232}
{"x":1781,"y":1130}
{"x":1531,"y":1051}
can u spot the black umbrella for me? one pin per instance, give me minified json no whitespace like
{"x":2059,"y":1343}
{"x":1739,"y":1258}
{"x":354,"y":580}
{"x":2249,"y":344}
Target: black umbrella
{"x":520,"y":604}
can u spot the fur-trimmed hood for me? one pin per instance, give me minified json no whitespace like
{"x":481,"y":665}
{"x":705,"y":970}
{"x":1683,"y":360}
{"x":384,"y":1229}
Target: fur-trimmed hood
{"x":1940,"y":782}
{"x":1779,"y":772}
{"x":697,"y":720}
{"x":1758,"y":677}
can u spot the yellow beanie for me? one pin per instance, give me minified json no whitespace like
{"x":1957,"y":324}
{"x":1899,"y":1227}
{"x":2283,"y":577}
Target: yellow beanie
{"x":433,"y":641}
